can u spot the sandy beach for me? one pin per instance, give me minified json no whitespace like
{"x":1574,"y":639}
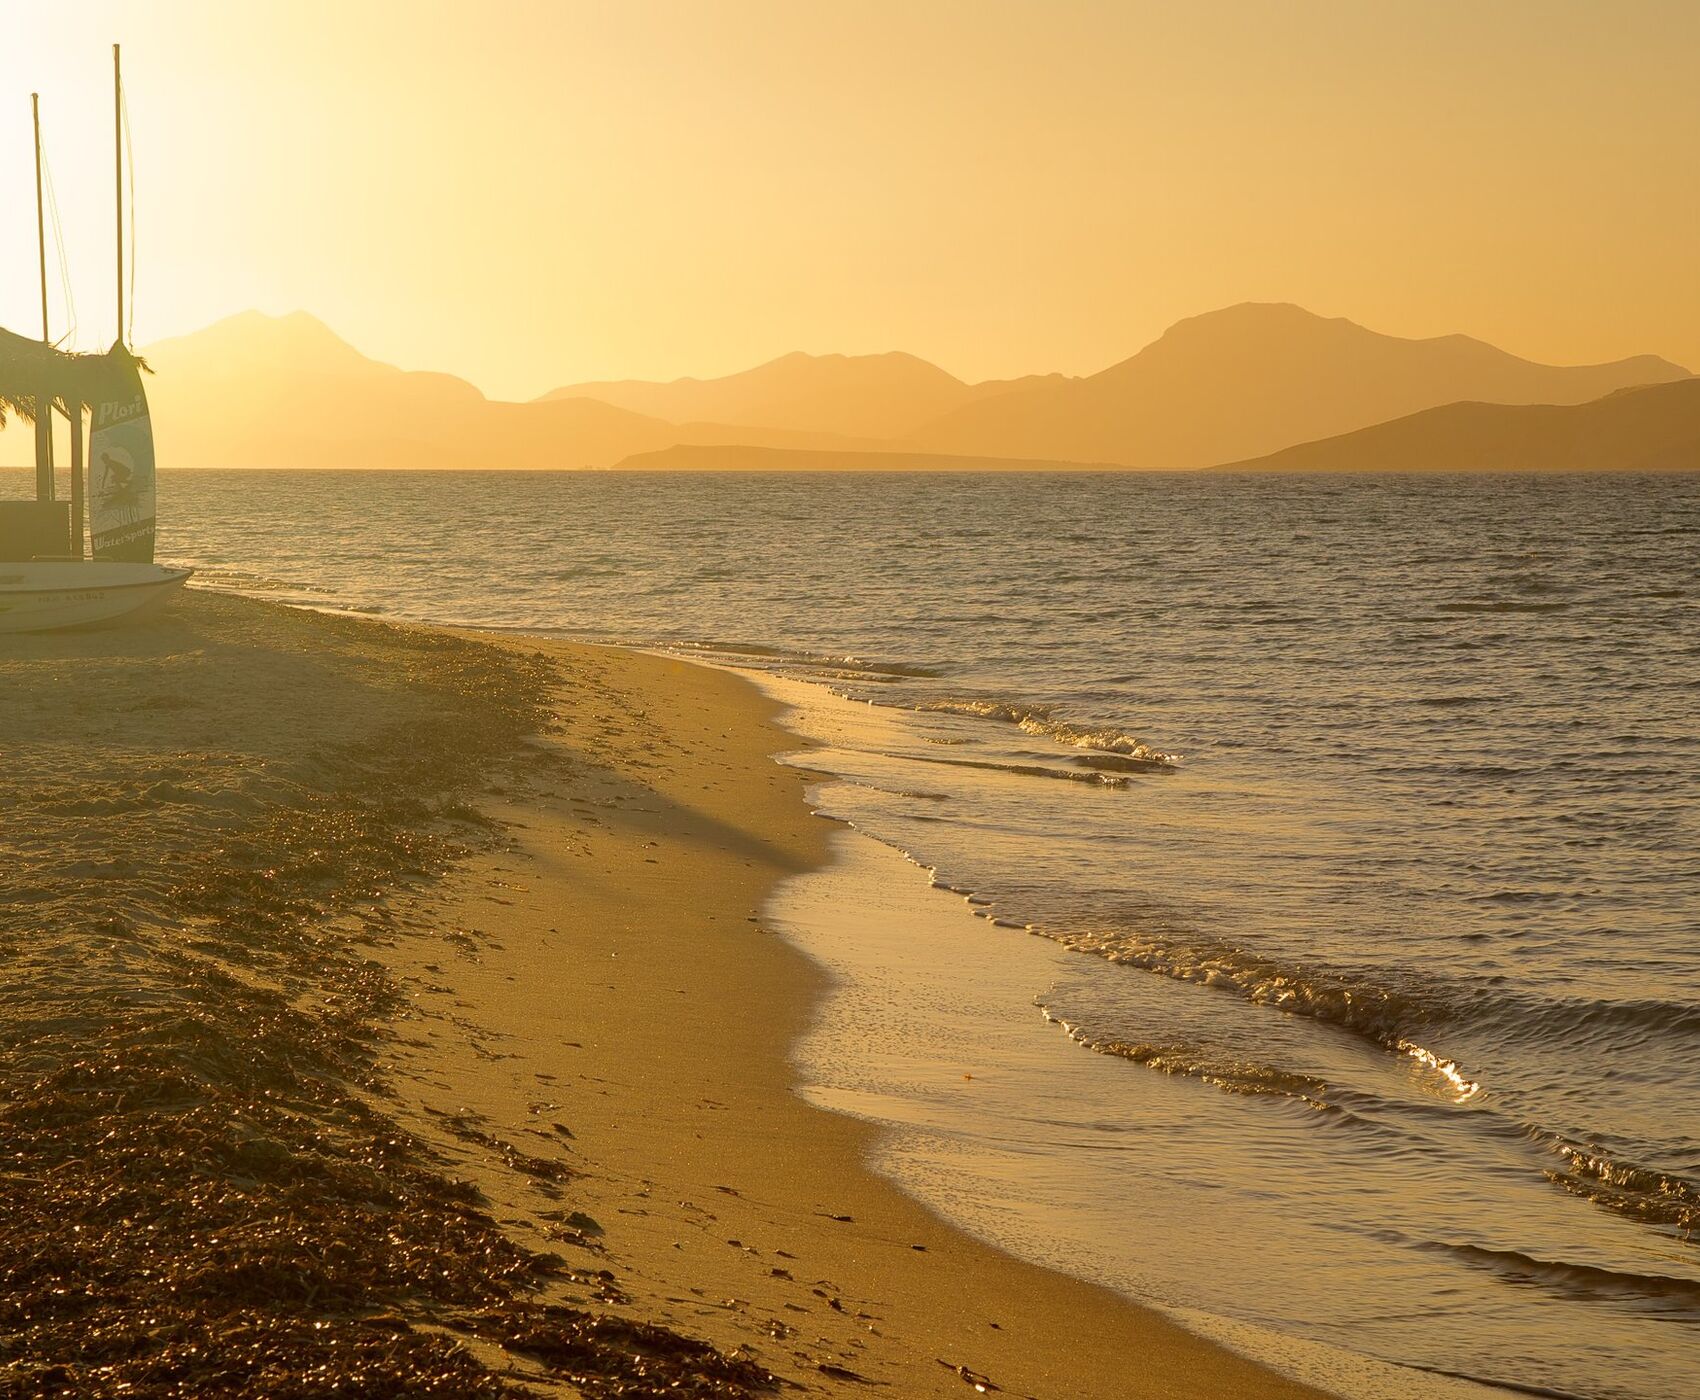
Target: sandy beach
{"x":729,"y":700}
{"x":394,"y":1007}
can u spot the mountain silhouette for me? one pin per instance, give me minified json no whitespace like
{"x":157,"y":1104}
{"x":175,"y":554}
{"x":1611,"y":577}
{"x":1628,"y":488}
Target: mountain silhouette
{"x":1656,"y":428}
{"x":868,"y":396}
{"x":256,"y":390}
{"x":286,"y":391}
{"x":1252,"y":379}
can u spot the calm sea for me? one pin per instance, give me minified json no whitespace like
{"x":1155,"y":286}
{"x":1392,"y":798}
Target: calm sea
{"x":1362,"y":816}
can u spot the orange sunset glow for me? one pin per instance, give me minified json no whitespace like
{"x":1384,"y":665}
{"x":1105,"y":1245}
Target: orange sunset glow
{"x":733,"y":699}
{"x":553,"y":192}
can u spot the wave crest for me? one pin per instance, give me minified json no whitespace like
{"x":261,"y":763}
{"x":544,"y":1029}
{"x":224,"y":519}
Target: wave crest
{"x":1232,"y":1076}
{"x":1041,"y":721}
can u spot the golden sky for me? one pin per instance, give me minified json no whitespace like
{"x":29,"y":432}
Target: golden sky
{"x":529,"y":192}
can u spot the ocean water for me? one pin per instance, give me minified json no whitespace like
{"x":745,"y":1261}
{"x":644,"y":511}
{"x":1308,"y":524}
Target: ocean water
{"x":1359,"y":819}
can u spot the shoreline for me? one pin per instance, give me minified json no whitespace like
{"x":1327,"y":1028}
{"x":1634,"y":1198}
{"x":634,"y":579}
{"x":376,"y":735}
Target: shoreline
{"x":953,"y":987}
{"x":456,"y":1020}
{"x":725,"y":1204}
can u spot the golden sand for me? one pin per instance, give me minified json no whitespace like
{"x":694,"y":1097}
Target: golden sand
{"x":393,"y":1007}
{"x":615,"y":981}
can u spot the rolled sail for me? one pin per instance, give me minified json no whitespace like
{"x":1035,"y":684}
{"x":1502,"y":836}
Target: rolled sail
{"x":121,"y":467}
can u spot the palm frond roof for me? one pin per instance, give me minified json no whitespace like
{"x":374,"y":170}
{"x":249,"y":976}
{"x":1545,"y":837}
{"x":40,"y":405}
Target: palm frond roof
{"x":32,"y":373}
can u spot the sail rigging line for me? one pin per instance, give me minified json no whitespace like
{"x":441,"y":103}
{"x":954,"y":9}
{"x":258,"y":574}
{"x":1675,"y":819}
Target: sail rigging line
{"x":66,"y":290}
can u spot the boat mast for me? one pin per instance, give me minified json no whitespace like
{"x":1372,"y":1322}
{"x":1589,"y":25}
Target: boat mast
{"x":40,"y":214}
{"x":43,"y":401}
{"x":118,"y":175}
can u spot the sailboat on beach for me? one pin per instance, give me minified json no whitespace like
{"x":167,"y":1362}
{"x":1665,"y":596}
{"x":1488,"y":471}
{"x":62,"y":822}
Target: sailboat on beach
{"x":45,"y":580}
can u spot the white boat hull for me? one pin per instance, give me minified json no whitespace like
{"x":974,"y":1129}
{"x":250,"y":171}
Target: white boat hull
{"x":50,"y":595}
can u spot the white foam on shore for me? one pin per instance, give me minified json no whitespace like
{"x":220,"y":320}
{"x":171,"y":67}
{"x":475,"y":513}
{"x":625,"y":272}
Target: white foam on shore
{"x":930,"y":1030}
{"x":993,"y":1118}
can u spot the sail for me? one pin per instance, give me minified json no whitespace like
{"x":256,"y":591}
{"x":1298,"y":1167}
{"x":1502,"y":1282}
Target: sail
{"x":121,"y":473}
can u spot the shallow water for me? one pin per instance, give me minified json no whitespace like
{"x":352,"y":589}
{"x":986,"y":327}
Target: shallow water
{"x":998,"y":1121}
{"x":1366,"y":808}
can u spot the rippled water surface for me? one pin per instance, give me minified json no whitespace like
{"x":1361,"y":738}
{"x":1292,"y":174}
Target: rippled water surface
{"x":1369,"y":806}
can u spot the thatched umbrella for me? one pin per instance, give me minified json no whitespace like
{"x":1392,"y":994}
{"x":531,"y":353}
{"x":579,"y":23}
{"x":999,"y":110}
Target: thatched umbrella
{"x":31,"y":372}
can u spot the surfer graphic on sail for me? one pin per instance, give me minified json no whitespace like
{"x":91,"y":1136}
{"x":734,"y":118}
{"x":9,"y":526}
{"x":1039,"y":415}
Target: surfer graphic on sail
{"x":117,"y":477}
{"x":121,"y":485}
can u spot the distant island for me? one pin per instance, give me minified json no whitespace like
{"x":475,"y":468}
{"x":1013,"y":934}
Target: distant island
{"x":1652,"y":429}
{"x":1248,"y":385}
{"x":699,"y":458}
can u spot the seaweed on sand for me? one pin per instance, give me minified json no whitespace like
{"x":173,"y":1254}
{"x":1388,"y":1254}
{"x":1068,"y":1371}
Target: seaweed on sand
{"x":200,"y":1193}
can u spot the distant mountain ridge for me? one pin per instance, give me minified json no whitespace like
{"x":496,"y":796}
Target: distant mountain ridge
{"x":871,"y":396}
{"x":1650,"y":429}
{"x":256,"y":390}
{"x":286,"y":391}
{"x":1255,"y":378}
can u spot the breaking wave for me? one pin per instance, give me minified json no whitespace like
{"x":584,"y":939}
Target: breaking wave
{"x":1232,"y":1076}
{"x":1401,"y":1024}
{"x":1385,"y":1017}
{"x":1040,"y":720}
{"x":1641,"y":1193}
{"x":1029,"y":770}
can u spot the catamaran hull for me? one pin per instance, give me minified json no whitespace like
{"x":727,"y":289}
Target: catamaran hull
{"x":47,"y":598}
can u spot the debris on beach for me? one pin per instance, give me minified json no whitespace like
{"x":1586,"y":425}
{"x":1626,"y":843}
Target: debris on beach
{"x":206,"y":1190}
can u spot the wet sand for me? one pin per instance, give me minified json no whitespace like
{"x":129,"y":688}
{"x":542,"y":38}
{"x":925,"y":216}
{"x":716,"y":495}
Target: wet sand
{"x":371,"y":1022}
{"x":619,"y":983}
